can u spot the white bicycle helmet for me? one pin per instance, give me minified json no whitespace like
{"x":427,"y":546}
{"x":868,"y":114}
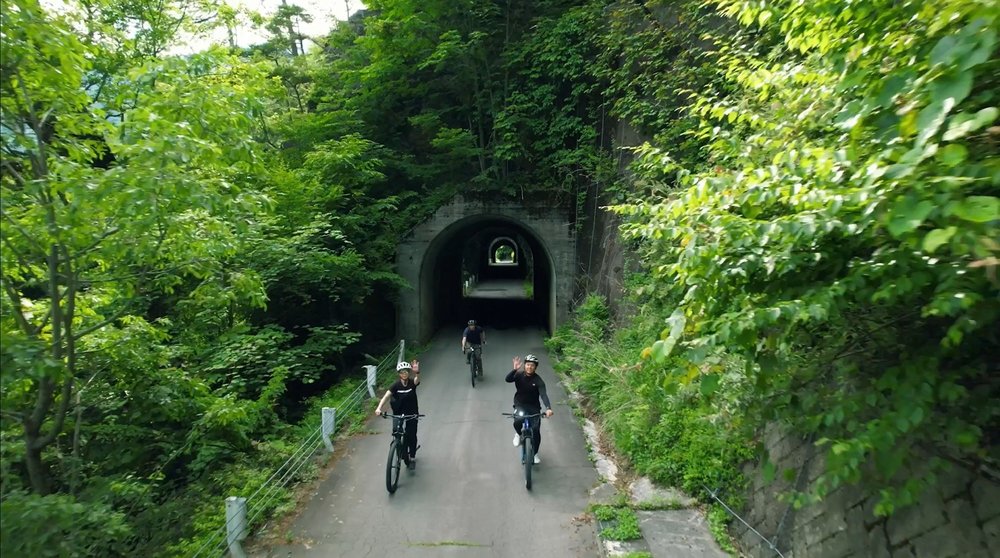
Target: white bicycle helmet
{"x":531,"y":358}
{"x":403,"y":366}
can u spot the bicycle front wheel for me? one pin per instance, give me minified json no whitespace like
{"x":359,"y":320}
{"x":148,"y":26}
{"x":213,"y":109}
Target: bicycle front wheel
{"x":472,"y":369}
{"x":392,"y":467}
{"x":529,"y":460}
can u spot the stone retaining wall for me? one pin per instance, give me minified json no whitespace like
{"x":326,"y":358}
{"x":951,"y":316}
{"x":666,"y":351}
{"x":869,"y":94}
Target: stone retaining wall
{"x":959,"y":517}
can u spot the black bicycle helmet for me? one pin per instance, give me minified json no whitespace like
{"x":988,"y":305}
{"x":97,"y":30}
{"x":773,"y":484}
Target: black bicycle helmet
{"x":531,"y":358}
{"x":472,"y":322}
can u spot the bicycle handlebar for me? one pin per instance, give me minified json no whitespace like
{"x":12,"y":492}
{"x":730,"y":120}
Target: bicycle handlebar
{"x":390,"y":415}
{"x":516,"y":415}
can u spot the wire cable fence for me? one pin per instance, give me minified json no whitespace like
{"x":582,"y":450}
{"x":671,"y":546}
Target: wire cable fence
{"x":243,"y":513}
{"x":771,"y":544}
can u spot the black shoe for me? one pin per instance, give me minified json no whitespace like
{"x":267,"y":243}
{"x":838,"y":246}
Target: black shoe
{"x":411,"y":465}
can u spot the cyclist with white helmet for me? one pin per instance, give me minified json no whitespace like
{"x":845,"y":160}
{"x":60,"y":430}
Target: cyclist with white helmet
{"x":403,"y":394}
{"x":530,"y":388}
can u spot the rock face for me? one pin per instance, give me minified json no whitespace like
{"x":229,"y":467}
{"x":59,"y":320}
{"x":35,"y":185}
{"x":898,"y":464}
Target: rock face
{"x":960,"y":517}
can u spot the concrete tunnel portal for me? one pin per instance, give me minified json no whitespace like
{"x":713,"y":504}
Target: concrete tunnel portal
{"x":500,"y":263}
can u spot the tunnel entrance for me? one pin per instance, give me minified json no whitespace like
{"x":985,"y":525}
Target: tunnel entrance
{"x":489,"y":269}
{"x":502,"y":263}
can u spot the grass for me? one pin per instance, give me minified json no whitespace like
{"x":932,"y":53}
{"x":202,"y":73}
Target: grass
{"x":625,"y":523}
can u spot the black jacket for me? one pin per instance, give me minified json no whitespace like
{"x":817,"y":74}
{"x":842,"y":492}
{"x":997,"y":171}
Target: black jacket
{"x":529,"y":390}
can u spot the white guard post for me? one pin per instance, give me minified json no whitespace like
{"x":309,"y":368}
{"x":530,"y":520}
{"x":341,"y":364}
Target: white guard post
{"x":329,"y":422}
{"x":236,"y":525}
{"x":371,"y":370}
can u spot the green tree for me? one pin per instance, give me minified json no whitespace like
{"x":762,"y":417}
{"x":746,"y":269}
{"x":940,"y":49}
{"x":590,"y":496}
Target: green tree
{"x":284,"y":27}
{"x":106,"y":204}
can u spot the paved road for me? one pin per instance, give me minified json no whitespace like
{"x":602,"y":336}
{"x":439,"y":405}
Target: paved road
{"x":467,"y":496}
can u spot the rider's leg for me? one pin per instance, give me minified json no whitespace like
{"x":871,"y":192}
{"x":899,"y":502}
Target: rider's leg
{"x":411,"y":437}
{"x":536,"y":432}
{"x":517,"y":432}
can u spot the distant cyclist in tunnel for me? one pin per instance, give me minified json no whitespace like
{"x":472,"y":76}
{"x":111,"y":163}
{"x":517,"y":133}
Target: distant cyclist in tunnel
{"x":530,"y":389}
{"x":475,"y":337}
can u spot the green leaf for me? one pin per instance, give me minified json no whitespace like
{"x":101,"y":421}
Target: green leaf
{"x":951,"y":86}
{"x":944,"y":52}
{"x":890,"y":88}
{"x":953,"y":154}
{"x":709,"y":384}
{"x":987,"y":39}
{"x":661,"y":350}
{"x":979,"y":209}
{"x":852,"y":113}
{"x":908,"y":216}
{"x":936,"y":238}
{"x":931,"y":118}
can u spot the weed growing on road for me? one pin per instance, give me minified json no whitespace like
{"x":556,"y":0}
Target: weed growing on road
{"x":623,"y":523}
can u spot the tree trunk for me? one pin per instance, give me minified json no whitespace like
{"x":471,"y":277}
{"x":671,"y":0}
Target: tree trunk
{"x":37,"y":474}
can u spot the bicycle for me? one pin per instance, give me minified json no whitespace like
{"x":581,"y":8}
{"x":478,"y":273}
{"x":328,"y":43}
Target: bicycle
{"x":527,"y":443}
{"x":475,"y":362}
{"x":397,"y":450}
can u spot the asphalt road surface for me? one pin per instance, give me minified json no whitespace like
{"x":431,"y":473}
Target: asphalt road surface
{"x":467,"y":495}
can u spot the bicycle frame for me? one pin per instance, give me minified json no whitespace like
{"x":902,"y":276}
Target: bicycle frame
{"x":527,"y":443}
{"x":475,"y":361}
{"x":397,"y":450}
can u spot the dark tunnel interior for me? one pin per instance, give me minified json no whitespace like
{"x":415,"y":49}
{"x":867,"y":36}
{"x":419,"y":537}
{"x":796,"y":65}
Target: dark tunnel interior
{"x":509,"y":287}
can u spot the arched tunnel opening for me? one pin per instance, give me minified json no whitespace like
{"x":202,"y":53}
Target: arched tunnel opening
{"x":488,"y":268}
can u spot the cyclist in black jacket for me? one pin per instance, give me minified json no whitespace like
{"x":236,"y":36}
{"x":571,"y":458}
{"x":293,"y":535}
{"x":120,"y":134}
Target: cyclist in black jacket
{"x":530,"y":389}
{"x":402,"y":396}
{"x":475,"y":337}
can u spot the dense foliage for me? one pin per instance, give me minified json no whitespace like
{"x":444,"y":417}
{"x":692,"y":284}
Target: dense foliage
{"x":194,"y":245}
{"x":664,"y":430}
{"x":841,"y":235}
{"x":173,"y":290}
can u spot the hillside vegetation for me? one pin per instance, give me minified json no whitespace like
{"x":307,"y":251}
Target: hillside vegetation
{"x":194,"y":245}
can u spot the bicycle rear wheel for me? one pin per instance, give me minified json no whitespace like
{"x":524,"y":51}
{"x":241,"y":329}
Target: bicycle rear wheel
{"x":393,"y":466}
{"x":529,"y":460}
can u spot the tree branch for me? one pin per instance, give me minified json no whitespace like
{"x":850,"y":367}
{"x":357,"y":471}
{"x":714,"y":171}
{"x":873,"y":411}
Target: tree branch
{"x":19,"y":417}
{"x":17,"y":176}
{"x":87,"y":331}
{"x":17,"y":226}
{"x":19,"y":318}
{"x":60,"y":418}
{"x":146,"y":274}
{"x":36,"y":126}
{"x":96,"y":243}
{"x":21,"y":259}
